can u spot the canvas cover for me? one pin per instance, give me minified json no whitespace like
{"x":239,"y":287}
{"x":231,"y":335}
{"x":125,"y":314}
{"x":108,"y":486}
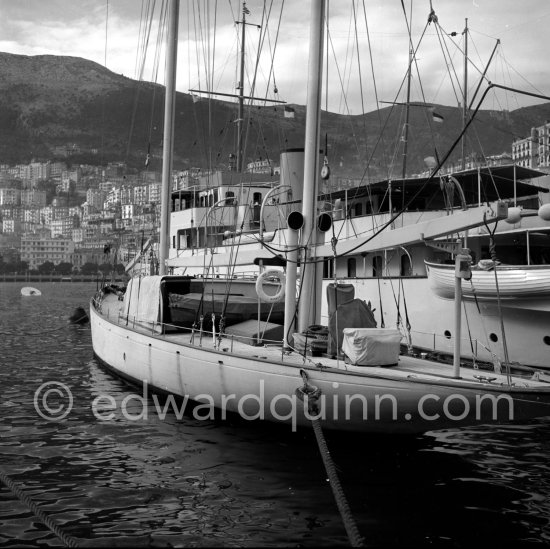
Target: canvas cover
{"x":371,"y":346}
{"x":142,"y":299}
{"x":353,"y":314}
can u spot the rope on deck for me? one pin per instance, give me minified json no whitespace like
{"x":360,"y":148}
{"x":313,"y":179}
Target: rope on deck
{"x":312,"y":394}
{"x":67,"y":540}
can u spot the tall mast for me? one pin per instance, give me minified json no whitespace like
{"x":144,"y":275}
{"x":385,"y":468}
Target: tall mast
{"x":406,"y":128}
{"x":407,"y":113}
{"x":168,"y":139}
{"x":310,"y":298}
{"x":241,"y":97}
{"x":465,"y":94}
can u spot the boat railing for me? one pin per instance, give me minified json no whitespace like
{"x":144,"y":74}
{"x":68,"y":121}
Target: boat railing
{"x":241,"y":275}
{"x":167,"y":329}
{"x":475,"y":345}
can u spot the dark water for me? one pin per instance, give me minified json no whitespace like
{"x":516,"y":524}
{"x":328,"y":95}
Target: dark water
{"x":191,"y":483}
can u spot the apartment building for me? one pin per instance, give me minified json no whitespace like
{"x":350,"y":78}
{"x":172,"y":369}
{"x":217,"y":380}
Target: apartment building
{"x":533,"y":151}
{"x":37,"y":249}
{"x":33,"y":197}
{"x":11,"y":226}
{"x":62,"y":227}
{"x":10,"y":197}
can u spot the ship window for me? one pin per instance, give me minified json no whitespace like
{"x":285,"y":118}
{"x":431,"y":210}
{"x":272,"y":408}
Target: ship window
{"x":377,"y":265}
{"x":327,"y":268}
{"x":257,"y":198}
{"x":406,"y":268}
{"x":230,"y":197}
{"x":352,"y":267}
{"x":358,"y":209}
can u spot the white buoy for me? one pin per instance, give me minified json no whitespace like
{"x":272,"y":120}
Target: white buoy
{"x":30,"y":291}
{"x":514,"y":215}
{"x":544,"y":212}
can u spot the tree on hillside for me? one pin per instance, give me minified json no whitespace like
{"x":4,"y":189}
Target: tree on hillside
{"x":46,"y":268}
{"x":88,"y":268}
{"x":106,"y":268}
{"x":49,"y":187}
{"x":64,"y":268}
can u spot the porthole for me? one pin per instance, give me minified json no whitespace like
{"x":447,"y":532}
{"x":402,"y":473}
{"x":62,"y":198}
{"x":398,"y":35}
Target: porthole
{"x":493,"y":338}
{"x":546,"y":340}
{"x":447,"y":334}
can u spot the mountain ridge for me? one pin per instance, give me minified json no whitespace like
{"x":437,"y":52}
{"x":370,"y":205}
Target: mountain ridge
{"x":50,"y":101}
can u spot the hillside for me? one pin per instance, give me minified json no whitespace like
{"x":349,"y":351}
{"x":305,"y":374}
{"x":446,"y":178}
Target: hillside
{"x":49,"y":101}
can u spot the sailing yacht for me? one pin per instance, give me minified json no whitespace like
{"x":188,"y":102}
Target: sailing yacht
{"x":239,"y":359}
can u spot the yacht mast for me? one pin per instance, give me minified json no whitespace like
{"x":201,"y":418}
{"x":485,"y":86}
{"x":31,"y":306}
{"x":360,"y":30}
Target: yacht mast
{"x":407,"y":114}
{"x":168,"y":139}
{"x":465,"y":94}
{"x":241,"y":96}
{"x":310,"y":299}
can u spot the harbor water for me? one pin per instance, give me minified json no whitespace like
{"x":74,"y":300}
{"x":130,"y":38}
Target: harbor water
{"x":154,"y":480}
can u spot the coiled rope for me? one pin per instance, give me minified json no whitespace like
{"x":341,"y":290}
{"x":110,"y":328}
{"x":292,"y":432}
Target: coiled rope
{"x":312,"y":394}
{"x":67,"y":540}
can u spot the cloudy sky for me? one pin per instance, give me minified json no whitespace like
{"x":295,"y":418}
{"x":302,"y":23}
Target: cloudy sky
{"x":108,"y":32}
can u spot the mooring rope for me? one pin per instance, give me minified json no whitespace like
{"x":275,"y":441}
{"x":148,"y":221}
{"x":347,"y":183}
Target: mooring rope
{"x":312,"y":394}
{"x":67,"y":540}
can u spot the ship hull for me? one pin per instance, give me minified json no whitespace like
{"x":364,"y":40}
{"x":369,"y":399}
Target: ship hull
{"x":256,"y":385}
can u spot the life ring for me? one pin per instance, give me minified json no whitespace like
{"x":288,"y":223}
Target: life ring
{"x":277,"y":296}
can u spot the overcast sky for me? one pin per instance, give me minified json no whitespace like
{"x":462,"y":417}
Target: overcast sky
{"x":107,"y":32}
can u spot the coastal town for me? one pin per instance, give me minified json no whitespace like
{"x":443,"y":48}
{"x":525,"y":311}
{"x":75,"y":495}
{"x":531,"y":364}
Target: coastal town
{"x":64,"y":218}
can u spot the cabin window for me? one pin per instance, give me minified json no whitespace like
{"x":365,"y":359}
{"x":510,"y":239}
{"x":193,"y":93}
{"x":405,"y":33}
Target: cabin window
{"x":328,"y":271}
{"x":183,"y":239}
{"x":210,"y":199}
{"x":257,"y":198}
{"x":352,"y":267}
{"x":406,"y":267}
{"x":358,"y":209}
{"x":173,"y":241}
{"x":377,"y":265}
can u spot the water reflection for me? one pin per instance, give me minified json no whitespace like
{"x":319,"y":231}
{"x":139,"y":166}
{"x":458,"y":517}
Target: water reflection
{"x":201,"y":483}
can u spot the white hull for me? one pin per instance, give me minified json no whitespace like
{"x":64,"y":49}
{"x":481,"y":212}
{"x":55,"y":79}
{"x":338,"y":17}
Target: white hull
{"x":28,"y":291}
{"x":415,"y":396}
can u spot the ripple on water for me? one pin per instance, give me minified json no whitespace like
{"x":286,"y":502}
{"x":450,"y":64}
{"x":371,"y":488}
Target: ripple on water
{"x":197,"y":483}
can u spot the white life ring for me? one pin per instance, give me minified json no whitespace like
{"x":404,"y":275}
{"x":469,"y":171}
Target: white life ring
{"x":268,"y":298}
